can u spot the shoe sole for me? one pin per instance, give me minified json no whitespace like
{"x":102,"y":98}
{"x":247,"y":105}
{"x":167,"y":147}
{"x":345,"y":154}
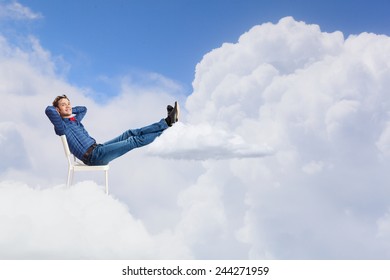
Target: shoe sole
{"x":177,"y":108}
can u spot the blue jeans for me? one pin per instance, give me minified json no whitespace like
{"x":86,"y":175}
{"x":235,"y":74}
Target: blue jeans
{"x":130,"y":139}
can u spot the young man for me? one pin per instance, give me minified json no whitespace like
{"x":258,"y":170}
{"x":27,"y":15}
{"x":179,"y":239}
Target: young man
{"x":67,"y":120}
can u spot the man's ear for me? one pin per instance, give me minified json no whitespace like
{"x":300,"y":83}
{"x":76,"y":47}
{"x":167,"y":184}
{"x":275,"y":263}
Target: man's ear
{"x":58,"y":110}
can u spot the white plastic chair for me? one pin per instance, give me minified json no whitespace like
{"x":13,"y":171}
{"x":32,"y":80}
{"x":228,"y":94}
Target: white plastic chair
{"x":74,"y":165}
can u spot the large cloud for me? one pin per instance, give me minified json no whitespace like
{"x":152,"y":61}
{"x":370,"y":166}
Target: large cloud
{"x":321,"y":102}
{"x":79,"y":223}
{"x":297,"y":118}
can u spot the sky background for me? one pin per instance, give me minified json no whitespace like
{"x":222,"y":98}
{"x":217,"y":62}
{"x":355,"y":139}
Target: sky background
{"x":102,"y":40}
{"x":282,"y":151}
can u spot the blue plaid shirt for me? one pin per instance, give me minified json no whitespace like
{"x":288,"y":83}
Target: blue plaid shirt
{"x":78,"y":138}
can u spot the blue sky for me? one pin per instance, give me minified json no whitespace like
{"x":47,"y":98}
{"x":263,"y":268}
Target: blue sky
{"x":113,"y":38}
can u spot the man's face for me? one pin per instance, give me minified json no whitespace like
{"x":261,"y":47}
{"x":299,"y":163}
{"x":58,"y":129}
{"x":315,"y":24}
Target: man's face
{"x":64,"y":108}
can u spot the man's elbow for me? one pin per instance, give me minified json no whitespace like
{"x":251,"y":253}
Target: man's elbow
{"x":49,"y":109}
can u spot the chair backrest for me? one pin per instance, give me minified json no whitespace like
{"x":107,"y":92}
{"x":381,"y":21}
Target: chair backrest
{"x":66,"y":148}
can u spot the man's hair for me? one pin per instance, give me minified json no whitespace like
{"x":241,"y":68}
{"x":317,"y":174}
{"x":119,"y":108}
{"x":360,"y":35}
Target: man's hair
{"x":58,"y":98}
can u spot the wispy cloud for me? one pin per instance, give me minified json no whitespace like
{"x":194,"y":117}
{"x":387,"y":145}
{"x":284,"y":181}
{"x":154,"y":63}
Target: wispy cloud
{"x":16,"y":11}
{"x":205,"y":142}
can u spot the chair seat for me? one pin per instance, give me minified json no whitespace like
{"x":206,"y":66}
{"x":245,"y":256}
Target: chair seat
{"x":81,"y":166}
{"x":74,"y":165}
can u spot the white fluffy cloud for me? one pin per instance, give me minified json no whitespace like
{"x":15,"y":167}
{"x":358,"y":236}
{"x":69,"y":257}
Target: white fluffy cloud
{"x":297,"y":118}
{"x":77,"y":223}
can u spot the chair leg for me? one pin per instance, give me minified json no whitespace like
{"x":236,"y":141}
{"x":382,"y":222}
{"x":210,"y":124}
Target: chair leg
{"x":106,"y":171}
{"x":69,"y":177}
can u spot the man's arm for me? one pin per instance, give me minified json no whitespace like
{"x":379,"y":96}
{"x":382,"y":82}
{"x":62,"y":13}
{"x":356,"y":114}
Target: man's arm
{"x":55,"y":119}
{"x":80,"y":112}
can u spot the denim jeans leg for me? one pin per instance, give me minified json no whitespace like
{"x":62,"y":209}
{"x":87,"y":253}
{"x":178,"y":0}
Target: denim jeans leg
{"x":155,"y":127}
{"x":124,"y":143}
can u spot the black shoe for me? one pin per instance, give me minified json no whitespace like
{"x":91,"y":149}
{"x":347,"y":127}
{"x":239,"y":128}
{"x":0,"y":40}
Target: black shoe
{"x":169,"y":109}
{"x":173,"y":114}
